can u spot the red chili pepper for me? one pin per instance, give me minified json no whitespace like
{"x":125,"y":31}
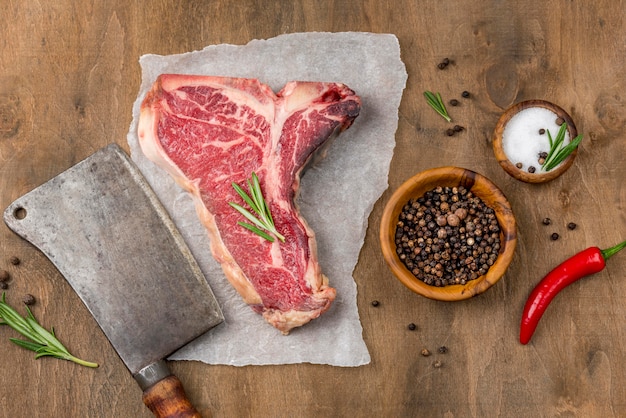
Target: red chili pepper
{"x":589,"y":261}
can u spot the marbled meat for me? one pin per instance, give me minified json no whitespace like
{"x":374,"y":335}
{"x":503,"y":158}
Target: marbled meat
{"x":207,"y":132}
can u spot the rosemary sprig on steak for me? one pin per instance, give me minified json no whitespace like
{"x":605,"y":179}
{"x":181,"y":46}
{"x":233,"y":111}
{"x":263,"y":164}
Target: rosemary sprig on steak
{"x":40,"y":340}
{"x":256,"y":201}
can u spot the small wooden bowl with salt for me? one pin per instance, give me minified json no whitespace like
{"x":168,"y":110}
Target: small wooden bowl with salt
{"x":521,"y":136}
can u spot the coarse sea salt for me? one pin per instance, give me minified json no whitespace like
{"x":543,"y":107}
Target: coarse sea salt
{"x":522,"y":141}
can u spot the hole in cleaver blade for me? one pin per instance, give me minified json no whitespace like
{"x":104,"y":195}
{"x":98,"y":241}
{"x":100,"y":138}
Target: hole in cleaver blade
{"x":105,"y":230}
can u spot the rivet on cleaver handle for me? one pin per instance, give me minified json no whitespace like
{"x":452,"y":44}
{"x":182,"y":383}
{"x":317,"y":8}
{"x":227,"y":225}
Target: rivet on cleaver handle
{"x":105,"y":230}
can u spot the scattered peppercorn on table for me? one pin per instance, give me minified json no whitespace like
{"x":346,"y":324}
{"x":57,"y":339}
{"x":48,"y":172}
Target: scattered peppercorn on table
{"x":68,"y":80}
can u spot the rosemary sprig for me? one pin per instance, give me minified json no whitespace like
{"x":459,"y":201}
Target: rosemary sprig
{"x":42,"y":342}
{"x":256,"y":201}
{"x":558,"y":152}
{"x":434,"y":100}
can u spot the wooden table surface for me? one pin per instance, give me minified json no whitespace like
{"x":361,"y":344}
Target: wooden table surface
{"x":69,"y":75}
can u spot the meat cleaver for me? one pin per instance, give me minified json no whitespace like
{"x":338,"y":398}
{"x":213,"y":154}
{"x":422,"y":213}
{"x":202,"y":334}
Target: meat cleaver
{"x":105,"y":230}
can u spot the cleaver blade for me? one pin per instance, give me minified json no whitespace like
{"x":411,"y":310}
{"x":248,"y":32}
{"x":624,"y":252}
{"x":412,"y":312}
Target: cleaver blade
{"x":105,"y":230}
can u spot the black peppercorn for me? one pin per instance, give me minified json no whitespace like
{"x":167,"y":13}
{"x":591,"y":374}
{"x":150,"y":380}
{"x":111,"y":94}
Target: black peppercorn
{"x":375,"y":303}
{"x":554,"y":236}
{"x":444,"y":63}
{"x":4,"y":276}
{"x":28,"y":299}
{"x":546,"y":221}
{"x":531,"y":169}
{"x":443,"y":349}
{"x":571,"y":226}
{"x":450,"y":132}
{"x":559,"y":121}
{"x":14,"y":260}
{"x":4,"y":285}
{"x":542,"y":131}
{"x":454,"y":102}
{"x":465,"y":94}
{"x":458,"y":128}
{"x":412,"y":326}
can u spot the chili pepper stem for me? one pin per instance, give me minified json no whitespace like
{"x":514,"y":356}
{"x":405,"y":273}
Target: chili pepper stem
{"x":606,"y":254}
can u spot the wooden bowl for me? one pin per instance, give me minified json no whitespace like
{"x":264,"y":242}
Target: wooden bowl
{"x":509,"y":166}
{"x":480,"y":186}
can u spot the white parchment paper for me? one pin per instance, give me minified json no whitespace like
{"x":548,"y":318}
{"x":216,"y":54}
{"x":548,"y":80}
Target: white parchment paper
{"x":337,"y":194}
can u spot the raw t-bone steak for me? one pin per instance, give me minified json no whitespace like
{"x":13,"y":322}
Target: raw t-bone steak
{"x":210,"y":131}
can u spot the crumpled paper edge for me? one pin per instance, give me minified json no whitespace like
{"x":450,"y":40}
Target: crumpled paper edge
{"x":333,"y":349}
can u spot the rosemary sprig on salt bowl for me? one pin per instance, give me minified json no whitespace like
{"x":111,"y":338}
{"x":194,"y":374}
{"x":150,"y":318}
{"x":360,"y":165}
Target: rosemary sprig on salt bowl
{"x":524,"y":145}
{"x":559,"y":151}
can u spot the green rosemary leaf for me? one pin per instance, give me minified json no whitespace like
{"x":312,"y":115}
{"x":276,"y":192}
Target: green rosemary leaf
{"x":257,"y":231}
{"x":264,"y":210}
{"x":268,"y":214}
{"x":260,"y":214}
{"x":440,"y":101}
{"x":434,"y":100}
{"x":45,"y":351}
{"x":555,"y":144}
{"x":47,"y":337}
{"x":563,"y":153}
{"x":559,"y":152}
{"x":26,"y":344}
{"x":551,"y":142}
{"x":257,"y":196}
{"x":14,"y":320}
{"x":43,"y":342}
{"x":259,"y":223}
{"x":245,"y":197}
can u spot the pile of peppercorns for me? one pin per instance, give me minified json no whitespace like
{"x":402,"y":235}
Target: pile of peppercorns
{"x":447,"y":236}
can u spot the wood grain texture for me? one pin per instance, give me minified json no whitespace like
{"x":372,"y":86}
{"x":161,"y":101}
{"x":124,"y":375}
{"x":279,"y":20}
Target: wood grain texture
{"x":69,"y":75}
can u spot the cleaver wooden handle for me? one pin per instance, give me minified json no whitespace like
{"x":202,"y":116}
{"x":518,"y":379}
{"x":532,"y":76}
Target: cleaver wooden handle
{"x":163,"y":393}
{"x":167,"y":399}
